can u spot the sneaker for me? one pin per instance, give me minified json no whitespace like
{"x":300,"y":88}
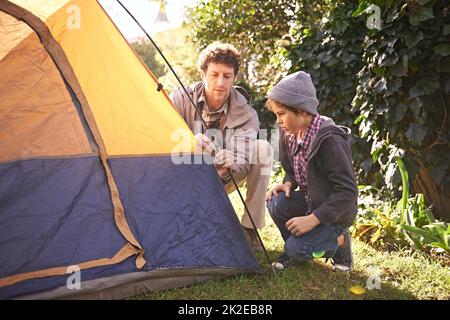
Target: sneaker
{"x":343,"y":258}
{"x":252,"y":239}
{"x":283,"y":262}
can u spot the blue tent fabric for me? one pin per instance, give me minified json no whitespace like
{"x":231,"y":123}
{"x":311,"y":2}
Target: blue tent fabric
{"x":180,"y":214}
{"x":58,"y":212}
{"x":54,"y":212}
{"x":43,"y":284}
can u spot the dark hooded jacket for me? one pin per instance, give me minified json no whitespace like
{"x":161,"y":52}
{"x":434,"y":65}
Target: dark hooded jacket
{"x":332,"y":187}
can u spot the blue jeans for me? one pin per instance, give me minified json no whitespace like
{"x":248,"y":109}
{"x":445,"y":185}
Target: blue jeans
{"x":321,"y":238}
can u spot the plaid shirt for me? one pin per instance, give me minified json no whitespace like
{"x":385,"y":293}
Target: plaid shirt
{"x":299,"y":151}
{"x":212,"y":118}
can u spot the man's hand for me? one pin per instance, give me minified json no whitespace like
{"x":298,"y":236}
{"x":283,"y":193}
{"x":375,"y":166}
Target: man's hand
{"x":223,"y":161}
{"x":300,"y":225}
{"x":204,"y":144}
{"x":286,"y":187}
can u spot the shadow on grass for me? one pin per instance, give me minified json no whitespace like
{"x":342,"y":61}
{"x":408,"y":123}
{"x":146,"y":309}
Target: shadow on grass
{"x":314,"y":280}
{"x":318,"y":281}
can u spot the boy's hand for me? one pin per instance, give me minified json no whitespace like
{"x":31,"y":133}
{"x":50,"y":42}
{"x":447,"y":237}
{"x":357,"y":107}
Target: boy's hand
{"x":286,"y":188}
{"x":300,"y":225}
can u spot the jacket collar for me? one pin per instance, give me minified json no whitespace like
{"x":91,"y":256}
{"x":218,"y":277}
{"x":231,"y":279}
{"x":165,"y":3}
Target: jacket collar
{"x":328,"y":129}
{"x":238,"y":112}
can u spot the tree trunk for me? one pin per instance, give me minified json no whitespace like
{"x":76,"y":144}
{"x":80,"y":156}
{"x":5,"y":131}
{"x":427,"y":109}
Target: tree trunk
{"x":440,"y":199}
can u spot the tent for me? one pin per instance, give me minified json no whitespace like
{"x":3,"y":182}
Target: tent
{"x":88,"y":188}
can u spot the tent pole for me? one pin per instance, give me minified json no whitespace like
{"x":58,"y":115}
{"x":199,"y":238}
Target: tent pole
{"x":165,"y":60}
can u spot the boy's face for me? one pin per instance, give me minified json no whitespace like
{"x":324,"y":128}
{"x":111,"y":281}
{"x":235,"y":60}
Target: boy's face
{"x":218,"y":79}
{"x":289,"y":121}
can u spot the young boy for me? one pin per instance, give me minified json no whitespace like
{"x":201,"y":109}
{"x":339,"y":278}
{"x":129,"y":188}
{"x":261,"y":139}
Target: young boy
{"x":316,"y":156}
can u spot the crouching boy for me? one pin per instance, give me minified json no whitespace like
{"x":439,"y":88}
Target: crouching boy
{"x":316,"y":156}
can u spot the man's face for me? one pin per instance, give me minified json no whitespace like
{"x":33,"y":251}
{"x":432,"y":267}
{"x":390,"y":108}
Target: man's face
{"x":218,"y":79}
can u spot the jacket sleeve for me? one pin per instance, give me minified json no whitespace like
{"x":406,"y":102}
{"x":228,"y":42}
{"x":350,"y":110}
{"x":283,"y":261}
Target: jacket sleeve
{"x":286,"y":163}
{"x":242,"y":142}
{"x":290,"y":177}
{"x":337,"y":163}
{"x":178,"y":98}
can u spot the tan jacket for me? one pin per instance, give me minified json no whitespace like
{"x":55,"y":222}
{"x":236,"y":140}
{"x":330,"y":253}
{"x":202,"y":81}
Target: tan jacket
{"x":239,"y":127}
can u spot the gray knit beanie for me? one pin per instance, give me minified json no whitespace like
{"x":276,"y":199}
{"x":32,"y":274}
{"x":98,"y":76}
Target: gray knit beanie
{"x":296,"y":90}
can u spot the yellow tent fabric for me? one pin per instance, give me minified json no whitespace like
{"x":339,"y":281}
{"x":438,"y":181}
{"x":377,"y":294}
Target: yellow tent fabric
{"x":113,"y":90}
{"x":37,"y":115}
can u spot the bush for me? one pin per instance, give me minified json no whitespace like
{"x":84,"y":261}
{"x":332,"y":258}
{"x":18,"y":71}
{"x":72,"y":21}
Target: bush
{"x":330,"y":50}
{"x":403,"y":95}
{"x":406,"y":223}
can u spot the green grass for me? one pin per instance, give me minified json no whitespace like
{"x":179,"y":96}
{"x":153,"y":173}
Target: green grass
{"x":403,"y":275}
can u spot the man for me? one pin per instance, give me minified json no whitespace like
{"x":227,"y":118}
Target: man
{"x":226,"y":110}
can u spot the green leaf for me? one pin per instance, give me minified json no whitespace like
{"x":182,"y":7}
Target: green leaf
{"x":362,"y":7}
{"x":400,"y":112}
{"x":359,"y":119}
{"x":430,"y":216}
{"x":366,"y":165}
{"x":442,"y":49}
{"x":441,"y":246}
{"x":416,"y":241}
{"x":423,"y":15}
{"x":416,"y":133}
{"x":323,"y":56}
{"x":387,"y":59}
{"x":438,"y":229}
{"x":412,"y":40}
{"x":363,"y":188}
{"x":390,"y":172}
{"x":393,"y":131}
{"x":430,"y":237}
{"x":430,"y":86}
{"x":411,"y":221}
{"x":318,"y":254}
{"x":393,"y":86}
{"x":415,"y":106}
{"x":400,"y":69}
{"x":378,"y":71}
{"x":375,"y":236}
{"x":365,"y":128}
{"x":376,"y":152}
{"x":380,"y":86}
{"x":416,"y":91}
{"x":446,"y":29}
{"x":438,"y":174}
{"x":424,"y":87}
{"x":445,"y":65}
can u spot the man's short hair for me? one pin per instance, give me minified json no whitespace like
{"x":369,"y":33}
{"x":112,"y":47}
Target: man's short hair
{"x":219,"y":52}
